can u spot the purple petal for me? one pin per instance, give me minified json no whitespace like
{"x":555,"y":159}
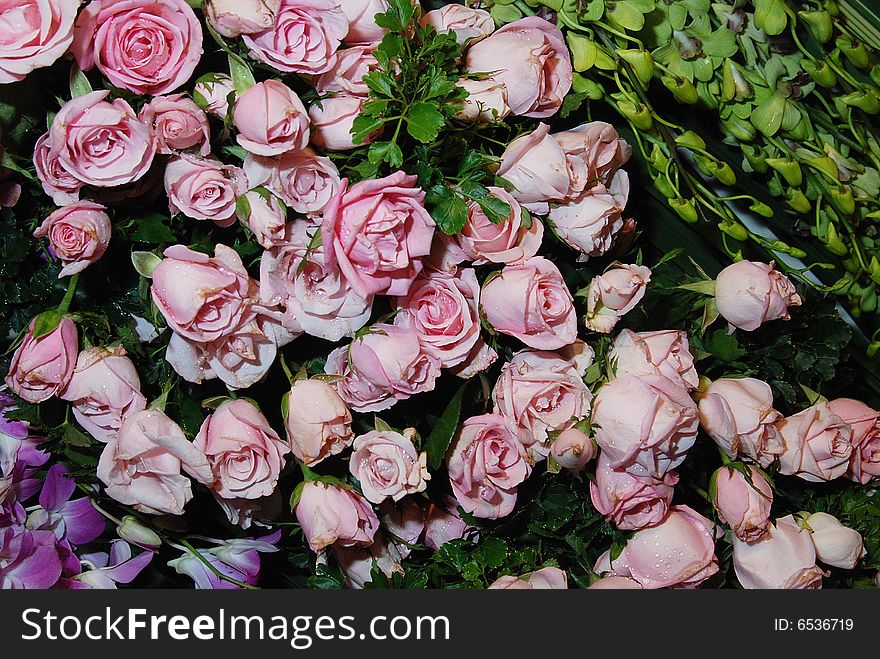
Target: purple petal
{"x":56,"y":489}
{"x":82,"y":521}
{"x":126,"y":571}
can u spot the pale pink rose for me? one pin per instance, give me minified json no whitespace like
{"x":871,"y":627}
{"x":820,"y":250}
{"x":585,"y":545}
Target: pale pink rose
{"x":304,"y":180}
{"x":592,"y":223}
{"x":616,"y":583}
{"x":361,"y":16}
{"x":78,"y":234}
{"x":317,"y":421}
{"x":666,"y":353}
{"x":404,"y":523}
{"x":509,"y":241}
{"x":104,"y":390}
{"x":443,"y":309}
{"x":573,"y":449}
{"x":318,"y":300}
{"x":141,"y":466}
{"x":594,"y":152}
{"x":102,"y":144}
{"x":331,"y":515}
{"x":468,"y":25}
{"x":546,"y":578}
{"x":145,"y":46}
{"x":631,"y":503}
{"x":749,"y":294}
{"x":35,"y":34}
{"x":481,"y":357}
{"x":836,"y":545}
{"x":232,"y":18}
{"x":304,"y":39}
{"x":204,"y":189}
{"x":644,"y":424}
{"x":377,"y":232}
{"x":530,"y":57}
{"x":538,"y":169}
{"x":56,"y":181}
{"x":265,"y":216}
{"x":346,"y":76}
{"x":245,"y":454}
{"x":743,"y":503}
{"x":783,"y":558}
{"x":486,"y":101}
{"x":383,"y":366}
{"x":442,"y":524}
{"x":387,"y":464}
{"x":179,"y":124}
{"x":332,"y":120}
{"x":864,"y":463}
{"x":531,"y":302}
{"x":738,"y":414}
{"x":486,"y":463}
{"x":270,"y":119}
{"x":615,"y":293}
{"x":357,"y":563}
{"x":41,"y":368}
{"x":212,"y":94}
{"x":818,"y":444}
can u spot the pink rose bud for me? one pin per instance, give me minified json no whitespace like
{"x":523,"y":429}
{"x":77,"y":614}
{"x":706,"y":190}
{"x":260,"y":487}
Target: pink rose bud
{"x":179,"y":124}
{"x":104,"y":390}
{"x":331,"y":515}
{"x":468,"y":25}
{"x":665,"y":353}
{"x":573,"y":449}
{"x":264,"y":216}
{"x":864,"y":463}
{"x":146,"y":46}
{"x":538,"y":169}
{"x":78,"y":234}
{"x":346,"y":76}
{"x":317,"y":421}
{"x":546,"y":578}
{"x":35,"y":35}
{"x":530,"y":58}
{"x":486,"y":102}
{"x":41,"y":368}
{"x":784,"y":558}
{"x":387,"y":464}
{"x":836,"y":545}
{"x":271,"y":120}
{"x":442,"y":524}
{"x":232,"y":18}
{"x":509,"y":241}
{"x":531,"y":302}
{"x":616,"y":583}
{"x":743,"y":503}
{"x":332,"y":120}
{"x":57,"y":182}
{"x":594,"y":152}
{"x":644,"y":424}
{"x":631,"y":503}
{"x":212,"y":94}
{"x":818,"y":444}
{"x":614,"y":294}
{"x":749,"y":294}
{"x":303,"y":180}
{"x":361,"y":16}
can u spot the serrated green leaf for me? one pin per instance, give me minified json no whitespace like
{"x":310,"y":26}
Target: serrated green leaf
{"x":385,"y":152}
{"x":364,"y":125}
{"x":424,"y":121}
{"x":447,"y":208}
{"x":151,"y":228}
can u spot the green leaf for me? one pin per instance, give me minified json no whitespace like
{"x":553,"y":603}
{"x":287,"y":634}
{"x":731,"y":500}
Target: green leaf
{"x":441,"y":435}
{"x":152,"y":229}
{"x":46,"y":323}
{"x":364,"y":125}
{"x":145,"y":262}
{"x":724,"y":346}
{"x":385,"y":152}
{"x":74,"y":437}
{"x":380,"y":83}
{"x":79,"y":83}
{"x":498,"y":210}
{"x":424,"y":121}
{"x":447,"y":208}
{"x":242,"y":76}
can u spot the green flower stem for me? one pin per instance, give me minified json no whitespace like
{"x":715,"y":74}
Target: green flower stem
{"x":524,"y":8}
{"x":68,"y":296}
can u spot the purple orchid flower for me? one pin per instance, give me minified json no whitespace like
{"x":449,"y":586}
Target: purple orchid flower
{"x":238,"y":559}
{"x":76,"y":520}
{"x":19,"y":458}
{"x":29,"y":559}
{"x":106,"y":570}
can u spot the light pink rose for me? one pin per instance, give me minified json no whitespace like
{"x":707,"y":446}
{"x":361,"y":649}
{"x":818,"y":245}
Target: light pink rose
{"x":538,"y":169}
{"x":818,"y":444}
{"x":232,"y":18}
{"x":864,"y":463}
{"x":104,"y":390}
{"x":591,"y":224}
{"x":644,"y":424}
{"x":509,"y":241}
{"x":749,"y":294}
{"x":836,"y":545}
{"x":486,"y":463}
{"x":666,"y":353}
{"x":35,"y":34}
{"x":245,"y":454}
{"x":179,"y":124}
{"x":303,"y":180}
{"x":377,"y":232}
{"x":317,"y":421}
{"x":531,"y":302}
{"x":486,"y":101}
{"x":332,"y":120}
{"x":479,"y":360}
{"x":404,"y":523}
{"x":212,"y":93}
{"x":738,"y":414}
{"x":616,"y":583}
{"x":631,"y":503}
{"x":783,"y":558}
{"x":387,"y":464}
{"x":530,"y":57}
{"x":78,"y":234}
{"x":304,"y":39}
{"x":442,"y":524}
{"x":357,"y":563}
{"x":468,"y":25}
{"x":331,"y":515}
{"x":743,"y":503}
{"x":262,"y":213}
{"x":141,"y":466}
{"x":614,"y":294}
{"x":594,"y":152}
{"x":546,"y":578}
{"x":271,"y":120}
{"x":145,"y":46}
{"x":41,"y":368}
{"x":573,"y":449}
{"x":56,"y":181}
{"x":346,"y":76}
{"x":204,"y":189}
{"x":102,"y":144}
{"x":361,"y":16}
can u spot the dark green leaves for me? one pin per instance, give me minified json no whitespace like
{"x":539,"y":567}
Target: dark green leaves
{"x":447,"y":208}
{"x":438,"y":441}
{"x":424,"y":121}
{"x":399,"y":15}
{"x":152,"y":228}
{"x":385,"y":152}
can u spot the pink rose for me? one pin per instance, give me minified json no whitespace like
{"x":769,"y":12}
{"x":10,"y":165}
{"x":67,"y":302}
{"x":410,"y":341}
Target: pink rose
{"x":818,"y":444}
{"x":738,"y":414}
{"x":743,"y":503}
{"x":232,"y":18}
{"x":616,"y":583}
{"x":304,"y":39}
{"x":538,"y":169}
{"x":573,"y":449}
{"x":346,"y":76}
{"x":749,"y":294}
{"x":614,"y":294}
{"x":303,"y":180}
{"x":140,"y":467}
{"x":179,"y":124}
{"x":404,"y":522}
{"x":331,"y":515}
{"x":783,"y":558}
{"x":486,"y":101}
{"x":264,"y":215}
{"x":104,"y":390}
{"x":486,"y":463}
{"x":530,"y":57}
{"x":317,"y":420}
{"x":145,"y":46}
{"x":836,"y":545}
{"x":631,"y":503}
{"x":479,"y":360}
{"x":591,"y":224}
{"x":468,"y":25}
{"x":57,"y":182}
{"x":361,"y":16}
{"x":212,"y":94}
{"x":357,"y":563}
{"x":102,"y":144}
{"x":665,"y":353}
{"x":864,"y":463}
{"x":509,"y":241}
{"x":442,"y":524}
{"x":546,"y":578}
{"x":245,"y":454}
{"x":35,"y":34}
{"x":332,"y":120}
{"x":271,"y":120}
{"x":377,"y":232}
{"x":594,"y":152}
{"x":387,"y":464}
{"x":41,"y":368}
{"x":204,"y":189}
{"x":78,"y":234}
{"x":644,"y":424}
{"x":531,"y":302}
